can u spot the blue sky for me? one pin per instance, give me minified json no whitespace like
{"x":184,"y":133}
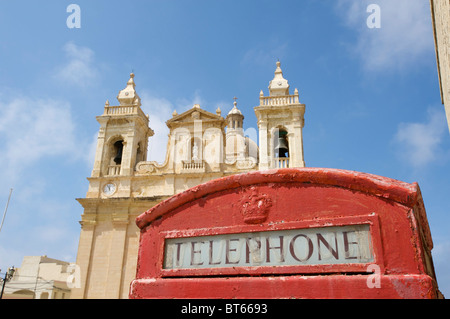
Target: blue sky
{"x":372,"y":95}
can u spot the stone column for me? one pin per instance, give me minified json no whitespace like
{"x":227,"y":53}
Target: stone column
{"x":88,"y":224}
{"x":296,"y":141}
{"x":263,"y":147}
{"x":96,"y":171}
{"x":114,"y":278}
{"x":292,"y":149}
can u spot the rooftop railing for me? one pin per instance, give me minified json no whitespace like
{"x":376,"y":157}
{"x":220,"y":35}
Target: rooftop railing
{"x":278,"y":100}
{"x":123,"y":110}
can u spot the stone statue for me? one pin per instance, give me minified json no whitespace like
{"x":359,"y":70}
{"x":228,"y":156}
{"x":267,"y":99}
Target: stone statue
{"x":195,"y":151}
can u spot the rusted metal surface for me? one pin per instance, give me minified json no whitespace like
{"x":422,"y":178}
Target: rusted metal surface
{"x":302,"y":233}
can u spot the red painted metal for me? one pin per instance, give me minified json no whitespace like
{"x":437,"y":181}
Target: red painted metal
{"x":284,"y":199}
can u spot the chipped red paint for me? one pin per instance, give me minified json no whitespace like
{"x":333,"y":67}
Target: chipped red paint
{"x":303,"y":198}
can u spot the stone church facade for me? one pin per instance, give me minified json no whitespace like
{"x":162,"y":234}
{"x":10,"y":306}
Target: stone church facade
{"x":202,"y":146}
{"x":440,"y":14}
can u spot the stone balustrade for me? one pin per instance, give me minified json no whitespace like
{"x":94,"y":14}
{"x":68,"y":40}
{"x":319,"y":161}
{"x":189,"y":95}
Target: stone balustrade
{"x":278,"y":100}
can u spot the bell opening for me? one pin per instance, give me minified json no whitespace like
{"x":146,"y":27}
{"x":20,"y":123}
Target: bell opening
{"x":282,"y":145}
{"x":118,"y":148}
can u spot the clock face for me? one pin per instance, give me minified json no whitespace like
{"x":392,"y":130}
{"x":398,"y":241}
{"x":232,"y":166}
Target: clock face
{"x":109,"y":188}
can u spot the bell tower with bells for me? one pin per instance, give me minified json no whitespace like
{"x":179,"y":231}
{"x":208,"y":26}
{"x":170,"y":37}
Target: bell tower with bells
{"x":280,"y":123}
{"x":123,"y":135}
{"x":106,"y":251}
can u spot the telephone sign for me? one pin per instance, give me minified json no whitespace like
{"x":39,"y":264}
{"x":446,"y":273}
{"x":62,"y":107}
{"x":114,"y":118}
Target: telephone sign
{"x":310,"y":246}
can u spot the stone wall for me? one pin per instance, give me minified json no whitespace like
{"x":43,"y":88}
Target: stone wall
{"x":440,"y":10}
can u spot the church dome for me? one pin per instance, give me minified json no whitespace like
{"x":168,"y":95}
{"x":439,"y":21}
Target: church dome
{"x":235,"y":110}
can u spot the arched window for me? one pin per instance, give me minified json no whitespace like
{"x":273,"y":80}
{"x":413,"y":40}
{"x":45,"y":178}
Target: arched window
{"x":114,"y":153}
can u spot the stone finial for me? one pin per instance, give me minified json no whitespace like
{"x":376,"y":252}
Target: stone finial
{"x":279,"y":85}
{"x":278,"y":70}
{"x":129,"y":96}
{"x":218,"y":111}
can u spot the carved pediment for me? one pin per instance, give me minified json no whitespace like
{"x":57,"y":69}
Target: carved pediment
{"x":192,"y":115}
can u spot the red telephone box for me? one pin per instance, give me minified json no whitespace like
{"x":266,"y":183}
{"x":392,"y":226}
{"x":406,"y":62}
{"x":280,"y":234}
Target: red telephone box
{"x":289,"y":233}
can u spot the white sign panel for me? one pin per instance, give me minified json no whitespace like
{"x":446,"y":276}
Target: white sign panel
{"x":293,"y":247}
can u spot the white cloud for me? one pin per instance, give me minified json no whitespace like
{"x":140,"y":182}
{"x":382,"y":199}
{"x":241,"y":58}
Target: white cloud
{"x":159,"y":111}
{"x":38,"y":138}
{"x":91,"y":150}
{"x":80,"y":69}
{"x":32,"y":129}
{"x":419,"y":143}
{"x":184,"y":104}
{"x":36,"y":135}
{"x":405,"y":36}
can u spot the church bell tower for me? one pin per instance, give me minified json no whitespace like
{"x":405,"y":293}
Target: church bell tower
{"x":107,"y":250}
{"x":123,"y":135}
{"x":280,"y":123}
